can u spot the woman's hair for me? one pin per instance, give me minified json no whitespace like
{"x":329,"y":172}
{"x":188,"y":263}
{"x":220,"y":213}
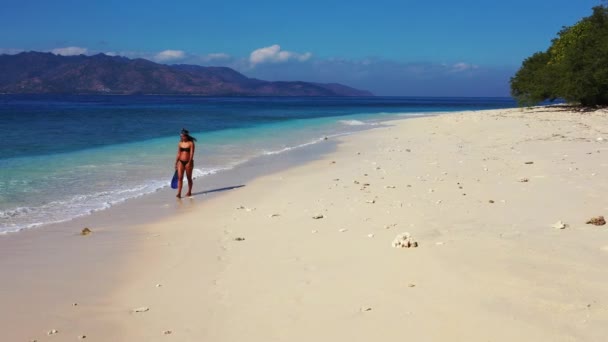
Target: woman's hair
{"x":187,"y":134}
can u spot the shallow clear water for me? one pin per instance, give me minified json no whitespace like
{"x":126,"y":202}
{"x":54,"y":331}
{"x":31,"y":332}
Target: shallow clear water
{"x":66,"y":156}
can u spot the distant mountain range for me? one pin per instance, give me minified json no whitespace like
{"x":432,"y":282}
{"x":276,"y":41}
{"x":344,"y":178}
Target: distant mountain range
{"x":47,"y":73}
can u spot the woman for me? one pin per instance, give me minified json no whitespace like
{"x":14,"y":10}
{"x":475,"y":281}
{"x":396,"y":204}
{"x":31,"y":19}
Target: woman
{"x":184,"y":161}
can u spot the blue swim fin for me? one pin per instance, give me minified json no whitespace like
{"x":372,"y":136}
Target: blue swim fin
{"x":174,"y":181}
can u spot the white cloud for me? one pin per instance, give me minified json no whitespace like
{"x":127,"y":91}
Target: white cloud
{"x":169,"y":55}
{"x":70,"y":51}
{"x":274,"y":54}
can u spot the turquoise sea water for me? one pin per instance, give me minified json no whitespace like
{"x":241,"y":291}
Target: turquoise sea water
{"x":66,"y":156}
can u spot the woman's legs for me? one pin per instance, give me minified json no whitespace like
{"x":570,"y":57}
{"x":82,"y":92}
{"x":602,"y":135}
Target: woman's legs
{"x":189,"y":176}
{"x":180,"y":178}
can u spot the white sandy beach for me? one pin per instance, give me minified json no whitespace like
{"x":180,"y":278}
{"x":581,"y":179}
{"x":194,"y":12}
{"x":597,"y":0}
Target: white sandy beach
{"x":479,"y":192}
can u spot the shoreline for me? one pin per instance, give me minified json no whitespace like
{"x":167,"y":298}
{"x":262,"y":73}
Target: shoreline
{"x":296,"y":278}
{"x":162,"y":199}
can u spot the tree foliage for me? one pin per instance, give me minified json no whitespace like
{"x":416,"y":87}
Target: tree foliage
{"x":574,"y":67}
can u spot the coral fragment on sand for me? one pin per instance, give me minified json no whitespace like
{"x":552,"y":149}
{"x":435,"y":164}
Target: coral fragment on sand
{"x":559,"y":225}
{"x":597,"y":221}
{"x":404,"y":240}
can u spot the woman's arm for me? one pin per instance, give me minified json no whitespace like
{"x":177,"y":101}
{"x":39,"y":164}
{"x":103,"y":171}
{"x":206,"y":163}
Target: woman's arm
{"x":177,"y":156}
{"x":191,"y":153}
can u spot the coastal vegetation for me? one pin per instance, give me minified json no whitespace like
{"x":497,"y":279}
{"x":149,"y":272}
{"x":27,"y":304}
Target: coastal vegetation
{"x":574,"y":68}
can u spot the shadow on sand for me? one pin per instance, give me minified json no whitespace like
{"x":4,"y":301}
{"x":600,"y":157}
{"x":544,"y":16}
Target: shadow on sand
{"x":218,"y":190}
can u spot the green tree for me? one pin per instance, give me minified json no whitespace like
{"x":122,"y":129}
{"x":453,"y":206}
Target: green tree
{"x":574,"y":68}
{"x":535,"y":81}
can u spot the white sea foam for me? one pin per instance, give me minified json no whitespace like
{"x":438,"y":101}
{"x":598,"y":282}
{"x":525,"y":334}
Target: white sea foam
{"x":420,"y":114}
{"x":352,"y":122}
{"x":316,"y":141}
{"x":289,"y":148}
{"x":19,"y":218}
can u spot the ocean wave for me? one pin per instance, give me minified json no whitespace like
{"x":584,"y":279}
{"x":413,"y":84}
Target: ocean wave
{"x":20,"y":218}
{"x":352,"y":122}
{"x":421,"y":114}
{"x":290,"y":148}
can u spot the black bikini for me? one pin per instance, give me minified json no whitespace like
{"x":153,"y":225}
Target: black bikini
{"x":184,"y":149}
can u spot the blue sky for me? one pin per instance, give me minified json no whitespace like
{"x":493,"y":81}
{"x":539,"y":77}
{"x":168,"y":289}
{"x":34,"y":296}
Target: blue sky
{"x":409,"y":48}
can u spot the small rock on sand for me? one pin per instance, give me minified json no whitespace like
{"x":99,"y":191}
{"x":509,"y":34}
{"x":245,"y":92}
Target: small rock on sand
{"x":529,"y":162}
{"x":85,"y":231}
{"x":597,"y":221}
{"x":239,"y":239}
{"x":142,"y":309}
{"x":167,"y":332}
{"x":318,"y":216}
{"x":52,"y":332}
{"x":524,"y":180}
{"x":82,"y":337}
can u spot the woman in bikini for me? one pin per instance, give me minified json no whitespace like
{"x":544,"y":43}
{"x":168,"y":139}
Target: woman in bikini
{"x":184,"y":161}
